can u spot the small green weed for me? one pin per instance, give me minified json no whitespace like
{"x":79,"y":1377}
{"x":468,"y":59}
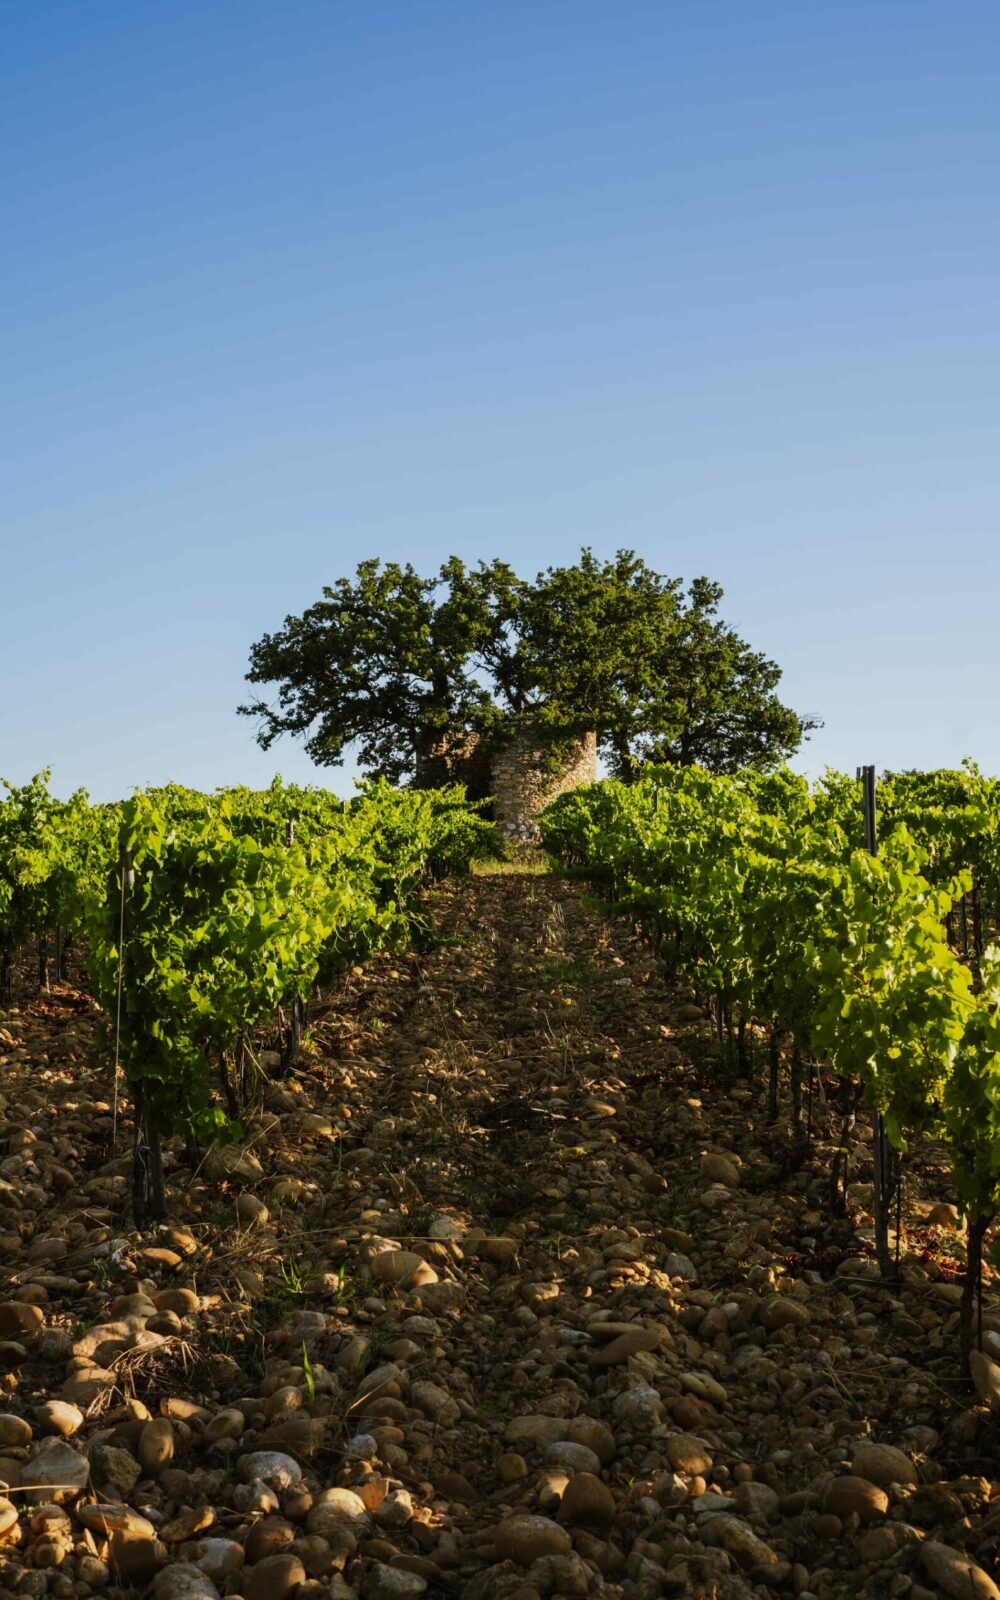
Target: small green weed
{"x":310,"y":1376}
{"x":293,"y":1280}
{"x":346,"y":1291}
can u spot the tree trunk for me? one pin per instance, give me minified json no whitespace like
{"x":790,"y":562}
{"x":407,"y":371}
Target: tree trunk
{"x":139,"y":1177}
{"x":838,"y":1193}
{"x":773,"y":1069}
{"x":887,"y":1180}
{"x":809,"y":1101}
{"x":157,"y":1183}
{"x":796,"y":1079}
{"x":225,"y":1078}
{"x":978,"y":1223}
{"x":149,"y":1198}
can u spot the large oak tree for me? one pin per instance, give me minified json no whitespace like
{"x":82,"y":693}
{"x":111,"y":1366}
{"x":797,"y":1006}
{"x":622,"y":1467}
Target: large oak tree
{"x":390,"y":664}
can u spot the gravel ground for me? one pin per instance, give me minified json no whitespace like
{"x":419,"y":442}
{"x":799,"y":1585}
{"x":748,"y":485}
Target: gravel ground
{"x":509,"y":1292}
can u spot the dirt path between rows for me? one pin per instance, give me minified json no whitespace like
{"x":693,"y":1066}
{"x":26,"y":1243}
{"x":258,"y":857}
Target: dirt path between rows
{"x":508,"y":1292}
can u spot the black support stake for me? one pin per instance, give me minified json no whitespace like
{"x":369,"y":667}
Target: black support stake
{"x":295,"y":1031}
{"x":867,"y":776}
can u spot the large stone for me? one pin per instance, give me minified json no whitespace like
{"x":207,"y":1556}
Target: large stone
{"x":572,"y":1457}
{"x":756,"y":1500}
{"x":439,"y":1298}
{"x":274,"y":1578}
{"x":227,"y":1424}
{"x":251,"y":1210}
{"x":184,"y":1581}
{"x":218,"y":1558}
{"x":687,"y":1453}
{"x":497,"y":1248}
{"x":878,"y":1544}
{"x":534,"y":1429}
{"x":850,"y":1495}
{"x":435,"y":1403}
{"x":336,"y":1510}
{"x":114,"y":1469}
{"x":136,"y":1558}
{"x":392,"y":1266}
{"x":639,"y":1408}
{"x":627,"y":1344}
{"x":587,"y":1502}
{"x":106,"y":1340}
{"x":190,"y":1523}
{"x":883,"y":1464}
{"x":678,"y":1265}
{"x":60,"y":1472}
{"x":956,"y":1573}
{"x":781,"y":1311}
{"x":718,"y":1168}
{"x":20,"y":1321}
{"x":84,"y":1386}
{"x":395,"y":1511}
{"x":524,"y":1538}
{"x":596,"y":1435}
{"x":106,"y":1519}
{"x":985,"y":1375}
{"x":269,"y":1537}
{"x":391,"y":1583}
{"x":705,"y":1387}
{"x":183,"y":1302}
{"x":160,"y":1259}
{"x":272,"y":1467}
{"x":14,"y":1432}
{"x":232,"y":1161}
{"x":156,"y":1446}
{"x":739,"y":1541}
{"x":58,"y":1416}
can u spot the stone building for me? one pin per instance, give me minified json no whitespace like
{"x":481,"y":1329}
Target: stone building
{"x":524,"y":781}
{"x":520,"y":772}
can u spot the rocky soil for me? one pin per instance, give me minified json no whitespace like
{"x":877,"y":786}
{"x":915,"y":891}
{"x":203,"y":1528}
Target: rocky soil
{"x":509,"y":1292}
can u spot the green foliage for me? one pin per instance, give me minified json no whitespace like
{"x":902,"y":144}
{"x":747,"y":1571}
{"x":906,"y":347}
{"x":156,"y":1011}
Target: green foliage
{"x":380,"y":662}
{"x":767,"y":897}
{"x":232,"y":905}
{"x":49,"y":850}
{"x":393,"y":664}
{"x":219,"y":931}
{"x":310,"y":1376}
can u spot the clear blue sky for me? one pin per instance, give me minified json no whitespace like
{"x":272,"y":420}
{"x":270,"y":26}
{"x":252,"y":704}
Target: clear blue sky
{"x":288,"y":284}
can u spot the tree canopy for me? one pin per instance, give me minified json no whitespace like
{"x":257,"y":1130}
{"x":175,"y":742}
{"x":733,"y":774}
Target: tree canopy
{"x":390,"y":664}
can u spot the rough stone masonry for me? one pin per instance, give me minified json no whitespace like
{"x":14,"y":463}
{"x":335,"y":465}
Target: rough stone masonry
{"x":516,"y":771}
{"x":522,"y":784}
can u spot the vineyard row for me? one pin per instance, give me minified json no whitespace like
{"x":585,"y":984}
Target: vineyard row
{"x":202,"y":918}
{"x":760,"y":892}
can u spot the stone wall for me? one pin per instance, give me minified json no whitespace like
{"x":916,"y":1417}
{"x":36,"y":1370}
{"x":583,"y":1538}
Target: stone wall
{"x":522,"y":787}
{"x":465,"y":759}
{"x":511,"y":770}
